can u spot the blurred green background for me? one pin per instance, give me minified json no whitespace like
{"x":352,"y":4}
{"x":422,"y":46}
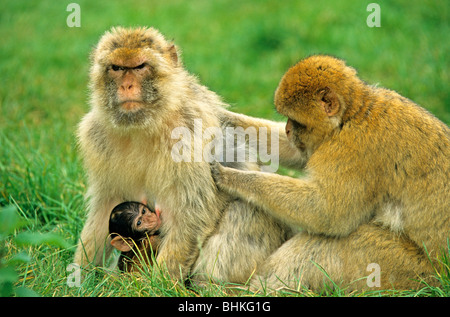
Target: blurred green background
{"x":239,"y":49}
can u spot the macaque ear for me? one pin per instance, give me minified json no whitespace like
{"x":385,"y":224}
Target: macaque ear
{"x":329,"y":100}
{"x":173,"y":54}
{"x":122,"y":244}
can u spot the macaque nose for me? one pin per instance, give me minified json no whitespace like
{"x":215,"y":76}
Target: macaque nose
{"x":288,"y":127}
{"x":128,"y":84}
{"x":126,"y":87}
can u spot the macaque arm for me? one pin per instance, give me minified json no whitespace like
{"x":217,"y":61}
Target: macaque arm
{"x":298,"y":202}
{"x":289,"y":155}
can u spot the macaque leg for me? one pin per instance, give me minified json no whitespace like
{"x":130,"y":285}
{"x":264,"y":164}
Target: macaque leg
{"x":93,"y":245}
{"x":362,"y":260}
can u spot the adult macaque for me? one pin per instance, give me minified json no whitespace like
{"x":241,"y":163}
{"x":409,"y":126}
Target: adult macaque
{"x":140,"y":94}
{"x":134,"y":230}
{"x":377,"y":188}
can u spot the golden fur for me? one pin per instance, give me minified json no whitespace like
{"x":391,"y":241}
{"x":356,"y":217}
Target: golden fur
{"x":376,"y":187}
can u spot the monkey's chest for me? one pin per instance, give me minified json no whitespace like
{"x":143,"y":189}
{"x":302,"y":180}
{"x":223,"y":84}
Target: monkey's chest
{"x":138,"y":170}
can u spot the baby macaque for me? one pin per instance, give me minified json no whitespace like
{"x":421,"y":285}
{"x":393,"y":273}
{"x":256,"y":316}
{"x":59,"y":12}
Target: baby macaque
{"x":134,"y":229}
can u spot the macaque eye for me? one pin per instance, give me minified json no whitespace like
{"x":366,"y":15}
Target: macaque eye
{"x":115,"y":68}
{"x":140,"y":66}
{"x":299,"y":126}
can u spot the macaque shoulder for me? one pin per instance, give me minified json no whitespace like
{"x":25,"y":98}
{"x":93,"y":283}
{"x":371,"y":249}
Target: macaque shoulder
{"x":92,"y":134}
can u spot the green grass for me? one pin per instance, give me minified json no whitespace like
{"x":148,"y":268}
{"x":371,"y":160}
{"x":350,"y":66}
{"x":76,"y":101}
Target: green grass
{"x":240,"y":49}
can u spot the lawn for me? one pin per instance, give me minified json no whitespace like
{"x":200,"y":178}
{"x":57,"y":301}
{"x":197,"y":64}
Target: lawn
{"x":240,"y":49}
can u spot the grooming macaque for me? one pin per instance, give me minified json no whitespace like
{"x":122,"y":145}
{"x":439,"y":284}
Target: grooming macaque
{"x":134,"y":230}
{"x":377,"y":184}
{"x":140,"y":94}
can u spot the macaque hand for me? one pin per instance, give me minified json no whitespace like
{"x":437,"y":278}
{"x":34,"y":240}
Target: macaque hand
{"x":219,"y":174}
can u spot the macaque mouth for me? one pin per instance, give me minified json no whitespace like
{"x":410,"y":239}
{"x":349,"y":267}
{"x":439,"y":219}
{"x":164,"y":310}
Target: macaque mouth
{"x":131,"y":105}
{"x":301,"y":146}
{"x":156,"y":233}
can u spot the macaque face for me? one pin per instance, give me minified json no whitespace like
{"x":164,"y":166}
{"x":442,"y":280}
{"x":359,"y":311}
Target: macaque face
{"x":132,"y":93}
{"x":146,"y":221}
{"x":131,"y":222}
{"x":129,"y":67}
{"x":296,"y":133}
{"x":128,"y":82}
{"x":312,"y":108}
{"x":134,"y":220}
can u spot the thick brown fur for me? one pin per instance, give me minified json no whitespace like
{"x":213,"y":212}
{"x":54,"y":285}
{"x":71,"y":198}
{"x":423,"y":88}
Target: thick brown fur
{"x":376,"y":188}
{"x":126,"y":145}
